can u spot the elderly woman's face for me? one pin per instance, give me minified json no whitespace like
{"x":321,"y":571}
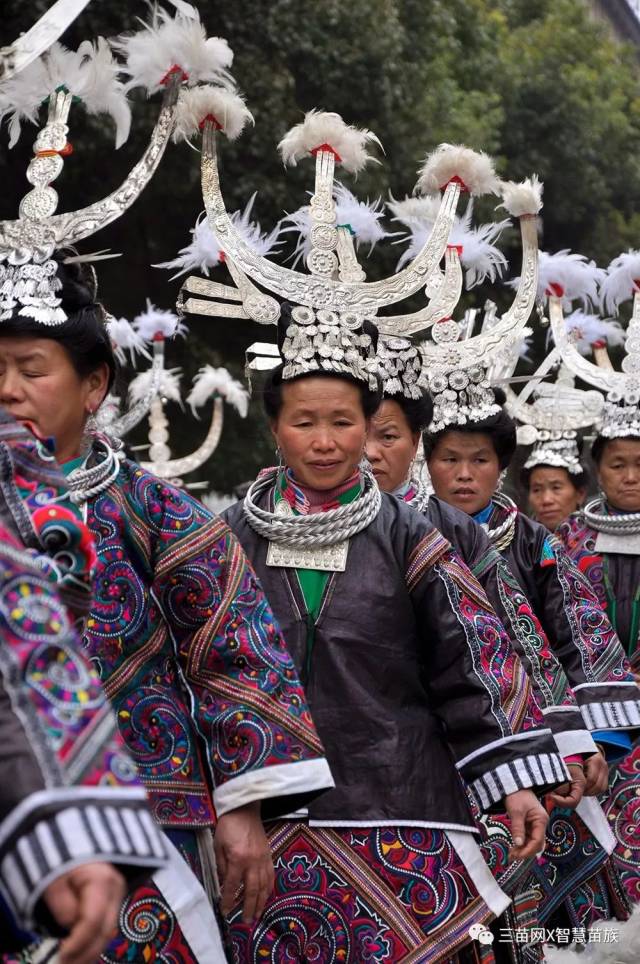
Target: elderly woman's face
{"x":619,"y":473}
{"x":552,"y":495}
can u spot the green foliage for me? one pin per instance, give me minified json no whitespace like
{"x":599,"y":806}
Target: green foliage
{"x":537,"y":83}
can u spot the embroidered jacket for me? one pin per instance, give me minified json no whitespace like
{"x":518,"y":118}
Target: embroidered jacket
{"x":206,"y":695}
{"x":69,"y":792}
{"x":614,"y":578}
{"x":575,"y":622}
{"x":548,"y":679}
{"x":411,"y":678}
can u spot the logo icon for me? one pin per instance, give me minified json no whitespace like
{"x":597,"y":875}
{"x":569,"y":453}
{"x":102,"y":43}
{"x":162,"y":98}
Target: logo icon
{"x":480,"y":933}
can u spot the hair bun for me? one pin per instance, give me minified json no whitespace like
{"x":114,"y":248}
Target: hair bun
{"x":79,"y":286}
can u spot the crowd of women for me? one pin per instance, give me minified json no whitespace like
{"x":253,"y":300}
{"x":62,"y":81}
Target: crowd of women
{"x":377,"y":711}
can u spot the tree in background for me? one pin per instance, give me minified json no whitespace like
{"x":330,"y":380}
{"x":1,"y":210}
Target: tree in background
{"x":537,"y":83}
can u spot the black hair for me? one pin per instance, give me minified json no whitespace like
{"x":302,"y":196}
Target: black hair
{"x":500,"y":427}
{"x":417,"y":411}
{"x":84,"y":334}
{"x":600,"y":443}
{"x":578,"y":480}
{"x":272,"y":391}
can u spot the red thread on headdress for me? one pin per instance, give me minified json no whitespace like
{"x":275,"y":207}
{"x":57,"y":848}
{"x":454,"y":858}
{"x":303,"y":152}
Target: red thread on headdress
{"x":329,"y":149}
{"x":158,"y":336}
{"x":457,"y":247}
{"x":214,"y":120}
{"x":555,"y":289}
{"x":51,"y":152}
{"x":455,"y":180}
{"x":175,"y":69}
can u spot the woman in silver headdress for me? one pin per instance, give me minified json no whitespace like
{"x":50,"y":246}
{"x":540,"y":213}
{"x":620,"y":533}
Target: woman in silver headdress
{"x":566,"y":873}
{"x":555,"y":479}
{"x":465,"y":460}
{"x":388,"y":628}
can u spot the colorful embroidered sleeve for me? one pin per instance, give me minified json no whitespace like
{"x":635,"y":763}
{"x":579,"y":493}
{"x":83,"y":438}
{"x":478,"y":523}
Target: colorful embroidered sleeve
{"x":248,"y":704}
{"x":548,"y":679}
{"x":478,"y":685}
{"x":69,"y":793}
{"x":586,"y":643}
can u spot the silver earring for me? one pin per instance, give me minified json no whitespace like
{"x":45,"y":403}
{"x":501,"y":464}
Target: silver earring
{"x":501,"y":479}
{"x":279,"y":457}
{"x":91,"y":425}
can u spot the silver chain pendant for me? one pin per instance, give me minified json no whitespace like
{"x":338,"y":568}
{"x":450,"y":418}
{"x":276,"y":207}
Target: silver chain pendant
{"x":324,"y":558}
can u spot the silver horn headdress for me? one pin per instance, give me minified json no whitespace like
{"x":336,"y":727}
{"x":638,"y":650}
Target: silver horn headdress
{"x":159,"y":59}
{"x":620,"y":417}
{"x":330,"y":304}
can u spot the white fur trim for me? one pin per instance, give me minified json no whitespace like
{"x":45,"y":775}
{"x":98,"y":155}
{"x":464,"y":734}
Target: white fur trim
{"x":196,"y":103}
{"x":522,"y":198}
{"x":474,"y":168}
{"x":169,"y":41}
{"x":322,"y":127}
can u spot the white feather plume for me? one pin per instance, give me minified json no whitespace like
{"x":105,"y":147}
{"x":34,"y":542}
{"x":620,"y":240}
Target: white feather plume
{"x":205,"y":251}
{"x":522,"y":198}
{"x":570,"y":275}
{"x":322,"y":127}
{"x":587,"y":329}
{"x":168,"y":385}
{"x":174,"y":41}
{"x":363,"y":217}
{"x":156,"y":321}
{"x":89,"y":73}
{"x":212,"y":381}
{"x":415,"y":210}
{"x":480,"y":257}
{"x":124,"y":337}
{"x":621,"y":282}
{"x":474,"y":168}
{"x":197,"y":103}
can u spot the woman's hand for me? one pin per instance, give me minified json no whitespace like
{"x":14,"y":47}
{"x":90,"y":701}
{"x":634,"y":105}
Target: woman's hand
{"x":243,"y":860}
{"x":528,"y":820}
{"x":86,"y":901}
{"x":596,"y":771}
{"x":570,"y":794}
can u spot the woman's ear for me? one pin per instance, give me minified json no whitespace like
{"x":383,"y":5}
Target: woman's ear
{"x":98,"y":386}
{"x":416,"y":437}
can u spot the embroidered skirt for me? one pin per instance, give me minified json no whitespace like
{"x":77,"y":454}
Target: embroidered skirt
{"x":354,"y":895}
{"x":622,"y":808}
